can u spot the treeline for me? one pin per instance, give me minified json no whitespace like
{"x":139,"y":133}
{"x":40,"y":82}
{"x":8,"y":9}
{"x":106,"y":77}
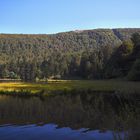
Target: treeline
{"x":94,"y":54}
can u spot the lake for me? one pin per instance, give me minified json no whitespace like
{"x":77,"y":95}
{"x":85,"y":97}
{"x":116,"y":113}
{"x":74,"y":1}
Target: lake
{"x":78,"y":116}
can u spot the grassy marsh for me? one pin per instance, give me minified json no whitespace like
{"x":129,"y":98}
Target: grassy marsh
{"x":68,"y":85}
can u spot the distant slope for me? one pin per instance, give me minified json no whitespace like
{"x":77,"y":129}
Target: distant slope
{"x":125,"y":34}
{"x":74,"y":40}
{"x":63,"y":53}
{"x":30,"y":47}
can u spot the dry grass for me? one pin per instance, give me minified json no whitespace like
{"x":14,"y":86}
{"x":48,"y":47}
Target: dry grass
{"x":59,"y":85}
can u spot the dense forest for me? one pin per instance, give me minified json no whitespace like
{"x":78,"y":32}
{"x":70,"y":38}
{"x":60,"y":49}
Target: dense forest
{"x":89,"y":54}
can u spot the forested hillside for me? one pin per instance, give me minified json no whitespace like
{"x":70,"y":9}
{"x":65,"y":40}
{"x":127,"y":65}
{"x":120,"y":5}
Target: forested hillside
{"x":90,"y":54}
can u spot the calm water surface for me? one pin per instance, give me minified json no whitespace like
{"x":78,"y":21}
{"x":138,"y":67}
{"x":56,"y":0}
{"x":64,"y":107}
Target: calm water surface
{"x":90,"y":116}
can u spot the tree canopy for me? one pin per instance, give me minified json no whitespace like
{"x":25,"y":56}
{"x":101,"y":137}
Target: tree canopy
{"x":91,"y":54}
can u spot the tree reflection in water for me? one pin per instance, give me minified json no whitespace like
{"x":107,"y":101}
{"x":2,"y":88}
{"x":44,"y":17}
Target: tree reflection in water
{"x":96,"y":111}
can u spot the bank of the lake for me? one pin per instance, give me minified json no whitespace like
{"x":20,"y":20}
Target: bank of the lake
{"x":53,"y":86}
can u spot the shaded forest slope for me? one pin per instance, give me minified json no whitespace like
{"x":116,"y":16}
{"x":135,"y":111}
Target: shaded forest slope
{"x":76,"y":53}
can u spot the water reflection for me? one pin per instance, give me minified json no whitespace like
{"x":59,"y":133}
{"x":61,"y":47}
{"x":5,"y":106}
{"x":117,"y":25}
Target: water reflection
{"x":78,"y":116}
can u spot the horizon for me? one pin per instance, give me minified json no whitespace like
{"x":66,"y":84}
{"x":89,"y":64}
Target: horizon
{"x":82,"y":30}
{"x":51,"y":17}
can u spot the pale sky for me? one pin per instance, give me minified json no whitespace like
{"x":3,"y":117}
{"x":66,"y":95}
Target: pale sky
{"x":52,"y":16}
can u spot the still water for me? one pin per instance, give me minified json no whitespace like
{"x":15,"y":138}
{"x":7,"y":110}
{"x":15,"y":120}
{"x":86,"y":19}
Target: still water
{"x":90,"y":116}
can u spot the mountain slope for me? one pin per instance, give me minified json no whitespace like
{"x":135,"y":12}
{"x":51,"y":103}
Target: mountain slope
{"x":62,"y":53}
